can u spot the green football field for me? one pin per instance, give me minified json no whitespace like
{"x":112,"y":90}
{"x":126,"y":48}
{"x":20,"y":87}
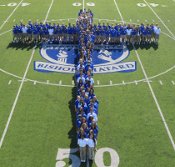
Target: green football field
{"x":136,"y":112}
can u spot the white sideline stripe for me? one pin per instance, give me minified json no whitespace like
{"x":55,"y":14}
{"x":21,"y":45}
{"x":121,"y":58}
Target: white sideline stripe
{"x":119,"y":11}
{"x":10,"y":82}
{"x":159,"y":19}
{"x":10,"y":14}
{"x":16,"y":99}
{"x":19,"y":90}
{"x":5,"y":32}
{"x":155,"y":99}
{"x":48,"y":11}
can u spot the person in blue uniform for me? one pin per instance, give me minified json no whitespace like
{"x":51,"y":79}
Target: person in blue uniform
{"x":144,"y":33}
{"x":35,"y":32}
{"x":15,"y":31}
{"x":113,"y":35}
{"x":123,"y":34}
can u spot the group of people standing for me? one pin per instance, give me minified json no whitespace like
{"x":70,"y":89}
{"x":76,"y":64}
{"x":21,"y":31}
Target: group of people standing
{"x":86,"y":104}
{"x":102,"y":33}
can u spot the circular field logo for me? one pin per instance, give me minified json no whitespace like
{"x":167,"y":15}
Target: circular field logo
{"x":63,"y":58}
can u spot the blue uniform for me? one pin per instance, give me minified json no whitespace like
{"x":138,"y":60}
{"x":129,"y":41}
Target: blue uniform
{"x":134,"y":32}
{"x":35,"y":31}
{"x":144,"y":32}
{"x":113,"y":33}
{"x":123,"y":32}
{"x":15,"y":31}
{"x":69,"y":30}
{"x":118,"y":33}
{"x":29,"y":30}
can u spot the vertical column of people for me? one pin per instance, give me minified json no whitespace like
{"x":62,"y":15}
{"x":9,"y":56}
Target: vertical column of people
{"x":86,"y":105}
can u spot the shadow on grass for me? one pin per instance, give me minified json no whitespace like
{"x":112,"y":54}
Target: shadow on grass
{"x":145,"y":46}
{"x":23,"y":46}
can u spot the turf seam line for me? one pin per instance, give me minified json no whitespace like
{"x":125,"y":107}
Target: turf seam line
{"x":159,"y":18}
{"x":10,"y":15}
{"x":155,"y":99}
{"x":16,"y":99}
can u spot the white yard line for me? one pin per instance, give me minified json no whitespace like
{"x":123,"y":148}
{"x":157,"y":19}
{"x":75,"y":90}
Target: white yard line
{"x":16,"y":99}
{"x":83,"y":5}
{"x":155,"y":99}
{"x":152,"y":92}
{"x":19,"y":90}
{"x":10,"y":15}
{"x":119,"y":11}
{"x":48,"y":11}
{"x":159,"y":19}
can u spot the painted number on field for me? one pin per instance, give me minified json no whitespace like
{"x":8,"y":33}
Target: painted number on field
{"x":79,"y":4}
{"x":14,"y":4}
{"x":68,"y":153}
{"x":144,"y":5}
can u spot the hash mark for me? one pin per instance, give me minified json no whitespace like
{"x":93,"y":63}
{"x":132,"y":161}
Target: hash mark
{"x":98,"y":82}
{"x":110,"y":82}
{"x":72,"y":82}
{"x":47,"y":81}
{"x":161,"y":82}
{"x":123,"y":82}
{"x":60,"y":82}
{"x":10,"y":82}
{"x":173,"y":83}
{"x":136,"y":82}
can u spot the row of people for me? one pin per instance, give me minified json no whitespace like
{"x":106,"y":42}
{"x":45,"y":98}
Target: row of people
{"x":71,"y":33}
{"x":86,"y":105}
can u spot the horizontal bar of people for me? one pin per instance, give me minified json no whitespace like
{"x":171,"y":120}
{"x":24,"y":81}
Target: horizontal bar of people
{"x":104,"y":33}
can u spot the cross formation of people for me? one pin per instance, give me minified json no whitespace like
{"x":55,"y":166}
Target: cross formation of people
{"x":86,"y":34}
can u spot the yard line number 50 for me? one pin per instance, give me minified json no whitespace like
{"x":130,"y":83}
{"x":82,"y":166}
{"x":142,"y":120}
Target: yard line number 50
{"x":68,"y":153}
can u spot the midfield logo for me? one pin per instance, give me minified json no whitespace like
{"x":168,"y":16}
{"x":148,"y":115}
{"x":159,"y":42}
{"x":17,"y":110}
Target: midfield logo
{"x":63,"y":57}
